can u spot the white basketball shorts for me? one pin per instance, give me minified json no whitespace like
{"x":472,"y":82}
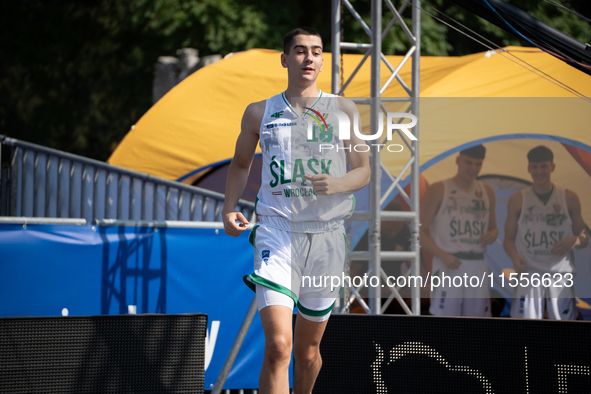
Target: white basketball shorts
{"x":558,"y":299}
{"x":453,"y":298}
{"x":299,"y":265}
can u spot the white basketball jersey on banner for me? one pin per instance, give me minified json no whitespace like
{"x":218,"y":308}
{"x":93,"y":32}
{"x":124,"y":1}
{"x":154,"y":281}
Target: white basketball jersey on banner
{"x":461,"y":219}
{"x":288,"y":155}
{"x":539,"y":227}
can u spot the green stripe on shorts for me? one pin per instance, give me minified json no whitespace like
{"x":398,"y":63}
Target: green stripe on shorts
{"x":253,"y":279}
{"x":310,"y":312}
{"x":253,"y":235}
{"x":353,"y":203}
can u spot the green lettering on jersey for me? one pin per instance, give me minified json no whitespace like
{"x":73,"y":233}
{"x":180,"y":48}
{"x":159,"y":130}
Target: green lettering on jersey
{"x":477,"y":227}
{"x":452,"y":224}
{"x":467,"y":228}
{"x":478,"y":205}
{"x":544,"y":239}
{"x":533,"y":240}
{"x":272,"y":165}
{"x":555,"y":219}
{"x":283,"y":180}
{"x":298,"y":171}
{"x":314,"y":136}
{"x":527,"y":238}
{"x":325,"y":167}
{"x":315,"y":162}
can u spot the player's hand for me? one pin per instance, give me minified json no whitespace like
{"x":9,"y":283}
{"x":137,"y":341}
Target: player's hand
{"x":488,"y":238}
{"x":519,"y":264}
{"x":231,"y":227}
{"x":451,"y":261}
{"x":565,"y":245}
{"x":323,"y":184}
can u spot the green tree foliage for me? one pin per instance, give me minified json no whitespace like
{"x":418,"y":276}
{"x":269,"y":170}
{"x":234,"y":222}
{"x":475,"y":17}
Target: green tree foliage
{"x":442,"y":18}
{"x":493,"y":36}
{"x":75,"y":75}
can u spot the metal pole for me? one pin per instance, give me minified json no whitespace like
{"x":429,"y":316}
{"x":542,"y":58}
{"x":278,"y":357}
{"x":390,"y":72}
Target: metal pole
{"x":335,"y":41}
{"x":415,"y":191}
{"x":41,"y":220}
{"x":375,"y":183}
{"x":336,"y":46}
{"x":219,"y":384}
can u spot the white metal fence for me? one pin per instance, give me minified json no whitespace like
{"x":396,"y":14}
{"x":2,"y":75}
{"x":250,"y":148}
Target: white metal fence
{"x":44,"y":182}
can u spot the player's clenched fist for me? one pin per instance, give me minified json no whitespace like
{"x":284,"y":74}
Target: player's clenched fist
{"x":565,"y":245}
{"x":231,"y":227}
{"x":323,"y":184}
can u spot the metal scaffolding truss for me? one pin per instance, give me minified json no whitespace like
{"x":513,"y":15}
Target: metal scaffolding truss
{"x":376,"y":200}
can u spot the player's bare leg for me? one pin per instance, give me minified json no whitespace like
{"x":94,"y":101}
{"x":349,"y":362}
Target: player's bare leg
{"x":306,"y":354}
{"x":277,"y":321}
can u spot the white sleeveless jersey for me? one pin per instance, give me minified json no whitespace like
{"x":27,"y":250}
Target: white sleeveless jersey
{"x":461,"y":219}
{"x":539,"y":227}
{"x":288,"y":155}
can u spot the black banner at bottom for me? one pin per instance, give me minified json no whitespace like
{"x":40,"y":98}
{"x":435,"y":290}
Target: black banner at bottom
{"x":427,"y":354}
{"x":145,"y":353}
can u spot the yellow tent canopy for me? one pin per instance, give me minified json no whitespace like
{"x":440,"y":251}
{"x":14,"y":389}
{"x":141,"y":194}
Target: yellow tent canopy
{"x":197,"y":122}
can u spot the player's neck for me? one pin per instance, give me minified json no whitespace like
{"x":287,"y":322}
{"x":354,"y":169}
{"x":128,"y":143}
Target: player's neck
{"x":543,"y":188}
{"x":301,"y":91}
{"x":462,"y":183}
{"x":300,"y":98}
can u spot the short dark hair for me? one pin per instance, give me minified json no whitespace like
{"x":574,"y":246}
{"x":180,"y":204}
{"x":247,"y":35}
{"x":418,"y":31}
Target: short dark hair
{"x":288,"y":39}
{"x":475,"y":152}
{"x":540,"y":154}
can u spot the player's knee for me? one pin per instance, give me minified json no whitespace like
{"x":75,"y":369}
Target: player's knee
{"x":307,"y":355}
{"x":278,"y":350}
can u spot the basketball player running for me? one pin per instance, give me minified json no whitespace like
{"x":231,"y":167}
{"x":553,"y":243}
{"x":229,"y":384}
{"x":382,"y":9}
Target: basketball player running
{"x":298,"y":235}
{"x":543,"y":224}
{"x":460,"y":215}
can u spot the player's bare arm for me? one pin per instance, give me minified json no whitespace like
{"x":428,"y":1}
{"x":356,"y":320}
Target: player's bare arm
{"x":513,"y":212}
{"x":492,"y":232}
{"x":360,"y":173}
{"x":240,"y":168}
{"x":430,"y":205}
{"x":579,"y":240}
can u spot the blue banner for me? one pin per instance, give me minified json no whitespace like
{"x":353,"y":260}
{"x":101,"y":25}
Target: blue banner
{"x":92,"y":270}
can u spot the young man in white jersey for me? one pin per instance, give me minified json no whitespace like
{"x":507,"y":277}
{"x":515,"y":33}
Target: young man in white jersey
{"x":460,"y":215}
{"x":543,"y":224}
{"x":304,"y":196}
